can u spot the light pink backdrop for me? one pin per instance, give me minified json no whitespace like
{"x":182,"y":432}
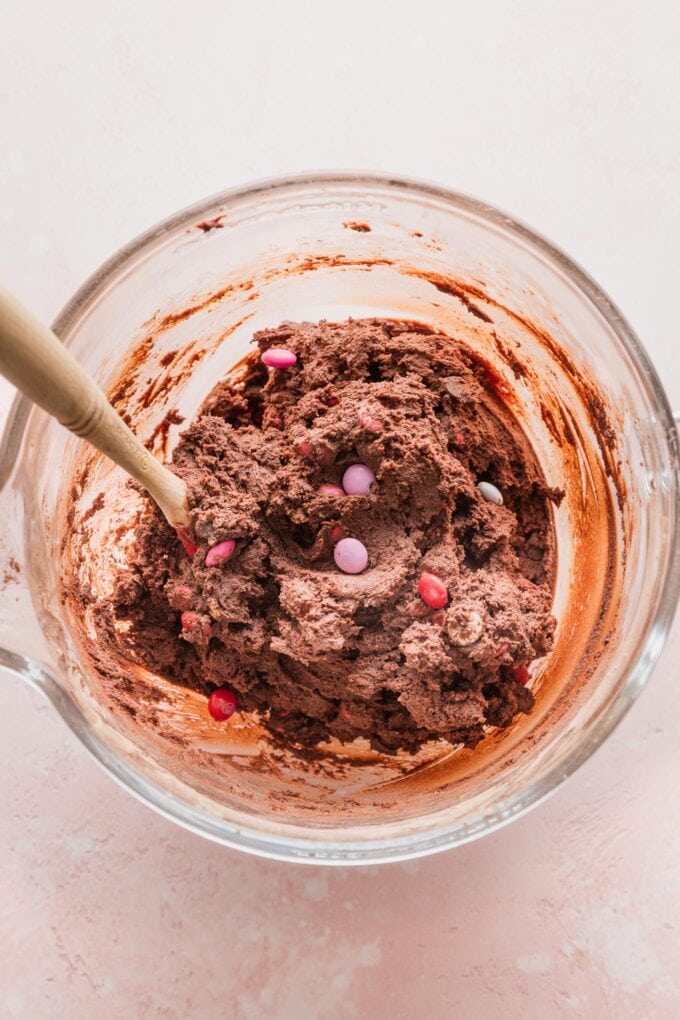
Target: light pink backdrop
{"x":565,"y":114}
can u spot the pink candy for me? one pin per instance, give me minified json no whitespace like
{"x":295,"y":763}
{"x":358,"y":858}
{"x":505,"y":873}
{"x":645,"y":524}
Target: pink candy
{"x":279,"y":357}
{"x":331,"y":490}
{"x":220,"y":553}
{"x":370,"y":423}
{"x":358,"y":480}
{"x":319,"y":452}
{"x":350,"y":555}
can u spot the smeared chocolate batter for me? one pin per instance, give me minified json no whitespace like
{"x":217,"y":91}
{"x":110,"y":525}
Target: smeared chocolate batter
{"x":322,"y":653}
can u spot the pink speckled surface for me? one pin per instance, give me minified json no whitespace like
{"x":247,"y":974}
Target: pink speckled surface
{"x":107,"y":910}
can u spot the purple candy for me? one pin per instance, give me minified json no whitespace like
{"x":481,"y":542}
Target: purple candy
{"x":351,"y":555}
{"x":279,"y":357}
{"x":358,"y":480}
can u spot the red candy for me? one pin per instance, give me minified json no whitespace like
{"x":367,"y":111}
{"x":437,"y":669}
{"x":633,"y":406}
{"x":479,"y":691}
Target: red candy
{"x":222,"y":704}
{"x":337,"y":533}
{"x":304,"y":448}
{"x":432,"y":591}
{"x":192,"y":621}
{"x":459,"y":440}
{"x":521,"y":674}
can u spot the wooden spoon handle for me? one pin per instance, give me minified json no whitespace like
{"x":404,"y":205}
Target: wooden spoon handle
{"x":39,"y":365}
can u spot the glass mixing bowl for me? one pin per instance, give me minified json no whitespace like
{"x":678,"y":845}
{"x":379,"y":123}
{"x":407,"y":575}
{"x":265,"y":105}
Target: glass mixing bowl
{"x":173,"y":312}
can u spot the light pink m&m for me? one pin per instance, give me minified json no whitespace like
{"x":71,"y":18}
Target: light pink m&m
{"x":358,"y":480}
{"x":331,"y":490}
{"x":350,"y":555}
{"x":370,"y":423}
{"x":279,"y":357}
{"x":220,"y":553}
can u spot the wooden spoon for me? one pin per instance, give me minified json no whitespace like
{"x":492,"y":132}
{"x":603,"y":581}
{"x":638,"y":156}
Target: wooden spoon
{"x":35,"y":360}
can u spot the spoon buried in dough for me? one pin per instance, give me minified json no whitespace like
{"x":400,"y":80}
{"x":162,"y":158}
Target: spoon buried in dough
{"x":38,"y":364}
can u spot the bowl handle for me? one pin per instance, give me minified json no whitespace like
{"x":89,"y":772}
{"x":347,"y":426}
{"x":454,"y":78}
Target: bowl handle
{"x":23,"y":648}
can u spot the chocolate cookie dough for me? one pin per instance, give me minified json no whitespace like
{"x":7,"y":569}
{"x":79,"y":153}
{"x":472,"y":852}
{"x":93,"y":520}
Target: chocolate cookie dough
{"x":435,"y":636}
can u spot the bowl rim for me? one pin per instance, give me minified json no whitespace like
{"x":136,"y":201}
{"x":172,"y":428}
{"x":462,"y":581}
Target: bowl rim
{"x":514,"y":805}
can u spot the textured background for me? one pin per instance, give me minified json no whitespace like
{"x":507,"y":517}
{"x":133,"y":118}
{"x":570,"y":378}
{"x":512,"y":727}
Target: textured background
{"x":566,"y":114}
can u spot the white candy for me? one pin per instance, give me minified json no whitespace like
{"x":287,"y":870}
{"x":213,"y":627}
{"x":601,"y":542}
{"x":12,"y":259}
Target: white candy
{"x":490,"y":493}
{"x":465,"y":631}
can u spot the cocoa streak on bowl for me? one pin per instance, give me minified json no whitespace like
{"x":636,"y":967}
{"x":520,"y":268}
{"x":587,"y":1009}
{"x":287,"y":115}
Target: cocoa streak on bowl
{"x":455,"y":289}
{"x":559,"y":433}
{"x":159,"y":438}
{"x":207,"y":225}
{"x":179,"y":365}
{"x":158,"y":323}
{"x":509,"y":355}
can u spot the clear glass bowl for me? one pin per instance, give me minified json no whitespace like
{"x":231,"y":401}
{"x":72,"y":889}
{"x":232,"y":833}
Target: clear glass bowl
{"x":172,"y":313}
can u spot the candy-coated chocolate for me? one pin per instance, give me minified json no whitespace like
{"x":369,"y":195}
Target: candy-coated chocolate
{"x":222,"y":704}
{"x":490,"y":493}
{"x":220,"y":553}
{"x":358,"y":480}
{"x":279,"y":357}
{"x":350,"y":555}
{"x":432,"y":591}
